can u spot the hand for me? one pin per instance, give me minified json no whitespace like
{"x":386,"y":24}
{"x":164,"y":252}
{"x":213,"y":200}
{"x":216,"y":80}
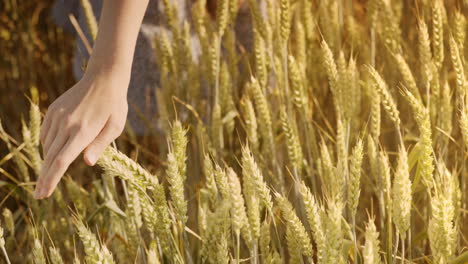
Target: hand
{"x":89,"y":116}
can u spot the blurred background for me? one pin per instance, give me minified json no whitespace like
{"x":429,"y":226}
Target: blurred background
{"x":35,"y":53}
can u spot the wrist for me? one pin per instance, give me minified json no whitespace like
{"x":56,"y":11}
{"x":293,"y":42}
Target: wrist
{"x":111,"y":63}
{"x":109,"y":69}
{"x":106,"y":78}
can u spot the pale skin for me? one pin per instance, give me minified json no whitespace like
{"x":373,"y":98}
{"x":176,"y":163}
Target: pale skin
{"x":92,"y":113}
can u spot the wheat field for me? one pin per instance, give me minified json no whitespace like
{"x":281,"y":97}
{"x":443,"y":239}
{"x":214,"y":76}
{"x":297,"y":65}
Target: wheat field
{"x":340,"y":136}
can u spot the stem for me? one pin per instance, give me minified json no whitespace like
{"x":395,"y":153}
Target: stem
{"x":355,"y":238}
{"x":425,"y":213}
{"x":274,"y":159}
{"x":340,"y":22}
{"x":380,"y":192}
{"x":372,"y":49}
{"x":409,"y":246}
{"x":158,"y":243}
{"x":238,"y":246}
{"x":255,"y":252}
{"x":403,"y":251}
{"x":218,"y":62}
{"x":390,"y":231}
{"x":181,"y":240}
{"x":218,"y":66}
{"x":6,"y":255}
{"x":400,"y":137}
{"x":285,"y":72}
{"x":396,"y":248}
{"x":463,"y":189}
{"x":345,"y":162}
{"x":186,"y":247}
{"x":310,"y":152}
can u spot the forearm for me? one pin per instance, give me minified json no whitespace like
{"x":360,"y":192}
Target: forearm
{"x":116,"y":39}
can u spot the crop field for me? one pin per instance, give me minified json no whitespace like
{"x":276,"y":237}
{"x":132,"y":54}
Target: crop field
{"x":339,"y":134}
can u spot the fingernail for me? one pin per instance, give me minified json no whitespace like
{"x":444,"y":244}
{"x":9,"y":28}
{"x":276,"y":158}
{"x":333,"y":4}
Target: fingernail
{"x":42,"y":193}
{"x":91,"y":158}
{"x":36,"y":194}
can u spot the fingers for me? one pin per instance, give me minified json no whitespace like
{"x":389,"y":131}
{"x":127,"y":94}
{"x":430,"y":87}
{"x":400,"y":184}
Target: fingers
{"x":51,"y":135}
{"x":110,"y":131}
{"x":59,"y":163}
{"x":51,"y":155}
{"x":64,"y":143}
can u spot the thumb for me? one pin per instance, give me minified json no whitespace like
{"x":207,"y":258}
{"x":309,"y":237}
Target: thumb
{"x":109,"y":132}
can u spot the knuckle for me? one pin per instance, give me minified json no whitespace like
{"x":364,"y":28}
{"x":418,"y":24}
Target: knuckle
{"x":81,"y":128}
{"x":73,"y":125}
{"x":78,"y":127}
{"x":60,"y":162}
{"x":67,"y":121}
{"x":82,"y":125}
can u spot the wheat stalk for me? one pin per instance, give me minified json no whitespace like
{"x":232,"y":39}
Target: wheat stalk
{"x":297,"y":238}
{"x":55,"y":256}
{"x":438,"y":33}
{"x":371,"y":249}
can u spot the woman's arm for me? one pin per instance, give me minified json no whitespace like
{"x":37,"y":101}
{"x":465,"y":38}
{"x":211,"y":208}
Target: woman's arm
{"x":91,"y":114}
{"x":118,"y":30}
